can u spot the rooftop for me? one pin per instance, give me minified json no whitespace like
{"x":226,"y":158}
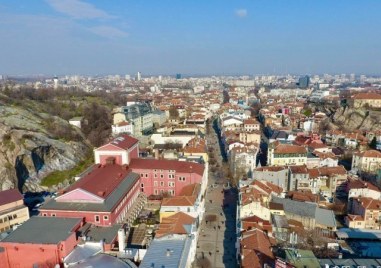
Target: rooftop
{"x":9,"y":196}
{"x":102,"y":180}
{"x":123,"y":141}
{"x":35,"y":231}
{"x":178,"y":166}
{"x":170,"y":251}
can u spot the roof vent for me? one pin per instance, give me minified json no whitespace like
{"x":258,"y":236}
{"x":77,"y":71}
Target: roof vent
{"x":101,"y":193}
{"x":168,"y":254}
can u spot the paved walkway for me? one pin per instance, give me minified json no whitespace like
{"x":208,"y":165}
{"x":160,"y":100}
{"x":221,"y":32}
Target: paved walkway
{"x":216,"y":243}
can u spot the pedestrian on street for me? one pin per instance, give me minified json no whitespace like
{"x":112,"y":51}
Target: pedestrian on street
{"x":219,"y":227}
{"x":210,"y":253}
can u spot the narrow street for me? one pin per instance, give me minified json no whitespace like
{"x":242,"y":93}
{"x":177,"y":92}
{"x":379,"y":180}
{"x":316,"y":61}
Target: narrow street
{"x":216,"y":244}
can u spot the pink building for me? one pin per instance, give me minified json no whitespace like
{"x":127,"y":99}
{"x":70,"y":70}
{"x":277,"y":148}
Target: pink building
{"x":39,"y":242}
{"x":123,"y":148}
{"x":102,"y":196}
{"x":166,"y":176}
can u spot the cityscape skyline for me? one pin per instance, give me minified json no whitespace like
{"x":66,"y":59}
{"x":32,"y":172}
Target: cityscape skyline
{"x":214,"y":38}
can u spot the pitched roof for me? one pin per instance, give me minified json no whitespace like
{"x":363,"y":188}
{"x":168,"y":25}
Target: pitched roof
{"x":360,"y":184}
{"x":367,"y":96}
{"x":175,"y":224}
{"x":308,"y":210}
{"x":123,"y":141}
{"x":369,"y":203}
{"x":9,"y":196}
{"x":179,"y":201}
{"x":256,"y":249}
{"x":179,"y":166}
{"x":195,"y":145}
{"x":290,"y":149}
{"x":110,"y":202}
{"x":369,"y":153}
{"x":102,"y":179}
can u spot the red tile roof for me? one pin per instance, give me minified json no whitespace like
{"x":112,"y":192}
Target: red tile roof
{"x":123,"y":141}
{"x":179,"y":166}
{"x":9,"y":196}
{"x":256,"y":249}
{"x":102,"y":179}
{"x":290,"y":149}
{"x":369,"y":153}
{"x":174,"y":224}
{"x":367,"y":96}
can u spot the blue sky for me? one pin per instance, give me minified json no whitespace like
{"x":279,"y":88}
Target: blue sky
{"x":189,"y":37}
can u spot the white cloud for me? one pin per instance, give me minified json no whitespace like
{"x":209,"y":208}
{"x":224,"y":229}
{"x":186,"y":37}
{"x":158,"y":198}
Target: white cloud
{"x":241,"y":13}
{"x":108,"y":32}
{"x":77,"y":9}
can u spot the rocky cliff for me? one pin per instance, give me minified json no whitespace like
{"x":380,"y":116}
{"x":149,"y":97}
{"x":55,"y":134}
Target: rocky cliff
{"x":33,"y":144}
{"x":352,"y":119}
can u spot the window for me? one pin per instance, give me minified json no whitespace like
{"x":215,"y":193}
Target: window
{"x":146,"y":175}
{"x":155,"y":175}
{"x":53,"y":214}
{"x":44,"y":214}
{"x":142,"y":185}
{"x":156,"y":192}
{"x":161,"y":176}
{"x":171,"y":184}
{"x":155,"y":183}
{"x":154,"y":170}
{"x":141,"y":175}
{"x":162,"y":183}
{"x":105,"y":218}
{"x":171,"y":176}
{"x":181,"y":178}
{"x":97,"y":219}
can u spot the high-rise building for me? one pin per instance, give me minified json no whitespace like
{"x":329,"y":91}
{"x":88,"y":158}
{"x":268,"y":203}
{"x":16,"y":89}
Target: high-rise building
{"x":138,"y":76}
{"x":178,"y":76}
{"x":304,"y":81}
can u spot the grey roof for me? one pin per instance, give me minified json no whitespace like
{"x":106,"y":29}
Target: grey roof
{"x":178,"y":247}
{"x":43,"y":230}
{"x":107,"y":206}
{"x":107,"y":234}
{"x":350,"y":263}
{"x":310,"y":210}
{"x":104,"y":260}
{"x":295,"y":207}
{"x":280,"y":221}
{"x":325,"y":217}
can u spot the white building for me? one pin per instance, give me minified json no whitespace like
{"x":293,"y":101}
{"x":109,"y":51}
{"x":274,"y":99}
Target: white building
{"x":122,"y":127}
{"x":76,"y":121}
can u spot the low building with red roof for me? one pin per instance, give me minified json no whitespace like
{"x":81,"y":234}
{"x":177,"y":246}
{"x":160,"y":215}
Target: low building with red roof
{"x":256,"y":249}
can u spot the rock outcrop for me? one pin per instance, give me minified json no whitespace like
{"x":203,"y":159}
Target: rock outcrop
{"x":352,"y":119}
{"x":29,"y":149}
